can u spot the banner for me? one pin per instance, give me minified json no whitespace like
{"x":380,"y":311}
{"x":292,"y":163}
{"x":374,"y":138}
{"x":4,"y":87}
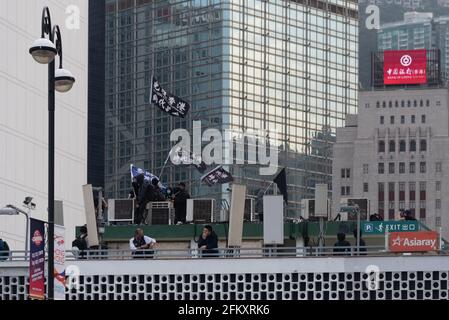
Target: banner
{"x":405,"y":66}
{"x":167,"y":102}
{"x":37,"y":259}
{"x":59,"y":271}
{"x":217,"y":176}
{"x":380,"y":227}
{"x":414,"y":241}
{"x":135,"y":171}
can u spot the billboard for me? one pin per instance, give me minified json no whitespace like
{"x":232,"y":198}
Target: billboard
{"x":59,"y":263}
{"x":405,"y":67}
{"x":414,"y":241}
{"x":37,"y":259}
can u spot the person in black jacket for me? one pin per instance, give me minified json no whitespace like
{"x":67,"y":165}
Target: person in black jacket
{"x":142,"y":185}
{"x":180,"y":203}
{"x":342,"y":246}
{"x":208,"y":243}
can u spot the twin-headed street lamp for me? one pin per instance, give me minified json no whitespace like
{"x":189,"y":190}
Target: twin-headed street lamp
{"x":44,"y":51}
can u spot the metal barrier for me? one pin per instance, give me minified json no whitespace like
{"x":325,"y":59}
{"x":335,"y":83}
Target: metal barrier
{"x":221,"y":253}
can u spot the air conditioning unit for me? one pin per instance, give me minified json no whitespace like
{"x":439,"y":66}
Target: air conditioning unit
{"x":160,"y":212}
{"x":200,"y":210}
{"x":121,"y":210}
{"x":307,"y":208}
{"x":250,"y":210}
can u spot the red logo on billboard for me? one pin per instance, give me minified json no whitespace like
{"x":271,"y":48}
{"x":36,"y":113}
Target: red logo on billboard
{"x":414,"y":241}
{"x":405,"y":67}
{"x":37,"y":238}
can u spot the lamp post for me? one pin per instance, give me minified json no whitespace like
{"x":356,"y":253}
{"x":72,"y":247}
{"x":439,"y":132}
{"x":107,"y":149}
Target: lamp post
{"x":44,"y":51}
{"x":11,"y":210}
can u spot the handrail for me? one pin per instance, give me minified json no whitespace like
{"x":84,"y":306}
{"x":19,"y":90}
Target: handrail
{"x":222,"y":253}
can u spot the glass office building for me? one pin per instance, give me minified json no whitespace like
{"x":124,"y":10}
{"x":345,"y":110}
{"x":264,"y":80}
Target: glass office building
{"x":247,"y":64}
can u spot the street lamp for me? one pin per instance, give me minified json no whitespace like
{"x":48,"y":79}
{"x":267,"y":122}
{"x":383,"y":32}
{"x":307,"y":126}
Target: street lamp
{"x":11,"y":210}
{"x":44,"y":51}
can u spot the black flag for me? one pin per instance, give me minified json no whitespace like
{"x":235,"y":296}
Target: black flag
{"x":281,"y":181}
{"x":167,"y":102}
{"x":217,"y":176}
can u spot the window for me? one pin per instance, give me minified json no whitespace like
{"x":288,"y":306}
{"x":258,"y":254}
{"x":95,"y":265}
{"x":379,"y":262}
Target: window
{"x":365,"y":187}
{"x":401,"y":167}
{"x":392,"y":146}
{"x":422,"y":186}
{"x":381,"y":119}
{"x":422,"y":204}
{"x":438,"y":186}
{"x":345,"y":191}
{"x":415,"y":103}
{"x":391,"y":187}
{"x":401,"y":205}
{"x":391,"y":168}
{"x":412,"y":167}
{"x":345,"y":173}
{"x":409,"y":103}
{"x":402,"y":119}
{"x":348,"y":191}
{"x":427,"y":103}
{"x":391,"y":119}
{"x":377,"y":104}
{"x":390,"y":104}
{"x":437,"y":222}
{"x":412,"y":119}
{"x":384,"y":104}
{"x":401,"y":186}
{"x":412,"y":205}
{"x":381,"y":146}
{"x":365,"y":169}
{"x":438,"y":103}
{"x":421,"y":103}
{"x":366,"y":105}
{"x":422,"y":167}
{"x":423,"y":118}
{"x":380,"y":168}
{"x":381,"y":187}
{"x":438,"y":167}
{"x":423,"y":145}
{"x":438,"y":204}
{"x":412,"y":186}
{"x":391,"y":205}
{"x":412,"y":145}
{"x":402,"y":146}
{"x":402,"y":104}
{"x":396,"y":104}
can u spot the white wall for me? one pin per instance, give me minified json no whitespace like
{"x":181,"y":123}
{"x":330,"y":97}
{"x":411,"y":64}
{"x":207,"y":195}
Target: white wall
{"x":23,"y":116}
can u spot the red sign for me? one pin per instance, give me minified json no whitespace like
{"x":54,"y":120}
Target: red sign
{"x":405,"y":66}
{"x":414,"y":241}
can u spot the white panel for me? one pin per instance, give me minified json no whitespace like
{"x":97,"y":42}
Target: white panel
{"x":90,"y":215}
{"x":236,"y":215}
{"x":321,"y":200}
{"x":273,"y":220}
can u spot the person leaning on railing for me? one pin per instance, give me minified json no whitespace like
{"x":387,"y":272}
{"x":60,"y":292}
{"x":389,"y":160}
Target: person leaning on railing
{"x":208,"y":243}
{"x":140,"y":243}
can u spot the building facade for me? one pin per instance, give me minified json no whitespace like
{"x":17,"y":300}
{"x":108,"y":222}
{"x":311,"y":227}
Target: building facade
{"x":418,"y":31}
{"x":23,"y":116}
{"x":394,"y":153}
{"x":287,"y":65}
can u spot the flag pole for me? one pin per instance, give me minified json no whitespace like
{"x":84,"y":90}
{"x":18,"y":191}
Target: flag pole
{"x":165,"y":164}
{"x":268,"y":187}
